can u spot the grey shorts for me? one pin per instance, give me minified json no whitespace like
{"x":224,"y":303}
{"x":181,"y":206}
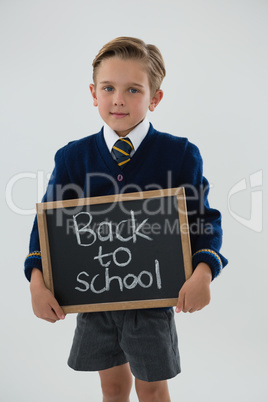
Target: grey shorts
{"x":147,"y":339}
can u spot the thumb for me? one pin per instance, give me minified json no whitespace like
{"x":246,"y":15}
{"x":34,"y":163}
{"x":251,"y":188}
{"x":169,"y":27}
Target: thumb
{"x":180,"y":302}
{"x":58,"y":310}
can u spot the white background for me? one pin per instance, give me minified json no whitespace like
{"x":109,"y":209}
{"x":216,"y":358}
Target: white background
{"x":216,"y":88}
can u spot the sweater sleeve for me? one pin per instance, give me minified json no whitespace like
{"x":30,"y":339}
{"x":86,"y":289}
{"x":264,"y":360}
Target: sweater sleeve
{"x":59,"y":187}
{"x":204,"y":222}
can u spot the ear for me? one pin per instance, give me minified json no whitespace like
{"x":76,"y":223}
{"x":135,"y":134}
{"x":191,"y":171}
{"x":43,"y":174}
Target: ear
{"x":156,"y":99}
{"x":93,"y":93}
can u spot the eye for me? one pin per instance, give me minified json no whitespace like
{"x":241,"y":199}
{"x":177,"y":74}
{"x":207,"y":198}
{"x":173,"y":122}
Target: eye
{"x":133,"y":90}
{"x":108,"y":89}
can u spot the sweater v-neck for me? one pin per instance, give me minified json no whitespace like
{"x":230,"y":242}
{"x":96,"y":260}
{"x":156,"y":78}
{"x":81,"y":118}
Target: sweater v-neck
{"x":136,"y":160}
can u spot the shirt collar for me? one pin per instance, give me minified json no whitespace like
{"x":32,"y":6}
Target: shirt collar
{"x":136,"y":135}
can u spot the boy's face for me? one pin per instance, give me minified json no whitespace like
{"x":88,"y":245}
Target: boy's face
{"x":122,"y":94}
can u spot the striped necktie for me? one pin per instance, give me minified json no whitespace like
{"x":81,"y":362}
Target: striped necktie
{"x":121,"y":151}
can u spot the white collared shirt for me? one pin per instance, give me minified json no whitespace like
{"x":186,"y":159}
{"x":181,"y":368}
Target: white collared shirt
{"x":136,"y":135}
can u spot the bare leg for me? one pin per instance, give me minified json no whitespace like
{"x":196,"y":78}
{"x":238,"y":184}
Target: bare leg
{"x":152,"y":391}
{"x":116,"y":383}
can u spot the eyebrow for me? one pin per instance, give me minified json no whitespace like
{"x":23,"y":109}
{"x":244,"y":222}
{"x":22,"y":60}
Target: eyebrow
{"x":134,"y":84}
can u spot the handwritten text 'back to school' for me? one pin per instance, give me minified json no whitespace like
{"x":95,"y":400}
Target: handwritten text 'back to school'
{"x":144,"y":279}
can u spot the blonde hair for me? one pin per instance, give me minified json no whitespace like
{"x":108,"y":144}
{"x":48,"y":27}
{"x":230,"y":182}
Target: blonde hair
{"x":133,"y":48}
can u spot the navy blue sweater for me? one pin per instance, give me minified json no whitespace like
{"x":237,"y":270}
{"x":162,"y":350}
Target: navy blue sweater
{"x":85,"y":168}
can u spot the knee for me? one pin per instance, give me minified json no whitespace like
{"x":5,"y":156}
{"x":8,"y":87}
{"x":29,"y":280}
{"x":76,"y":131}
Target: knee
{"x":152,"y":393}
{"x":114,"y":391}
{"x":146,"y":394}
{"x":111,"y":391}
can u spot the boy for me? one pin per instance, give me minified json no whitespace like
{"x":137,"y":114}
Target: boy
{"x":127,"y":76}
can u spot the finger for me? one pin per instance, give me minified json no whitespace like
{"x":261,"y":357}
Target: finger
{"x":49,"y":320}
{"x":180,"y":303}
{"x":185,"y":309}
{"x":192,"y":310}
{"x":49,"y":315}
{"x":57,"y":310}
{"x":186,"y":306}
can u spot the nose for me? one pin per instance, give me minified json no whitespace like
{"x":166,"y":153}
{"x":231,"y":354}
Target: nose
{"x":119,"y":99}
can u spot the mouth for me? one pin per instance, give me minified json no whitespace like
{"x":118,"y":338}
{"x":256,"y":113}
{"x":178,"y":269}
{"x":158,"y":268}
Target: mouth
{"x":118,"y":115}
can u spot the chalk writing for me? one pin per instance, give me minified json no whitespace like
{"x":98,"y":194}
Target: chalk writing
{"x":145,"y":279}
{"x":100,"y":257}
{"x":122,"y":283}
{"x":92,"y":235}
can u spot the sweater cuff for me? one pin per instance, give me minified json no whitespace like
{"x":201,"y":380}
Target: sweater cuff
{"x":211,"y":258}
{"x":33,"y":260}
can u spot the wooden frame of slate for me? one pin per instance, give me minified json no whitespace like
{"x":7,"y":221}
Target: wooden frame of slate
{"x":118,"y":252}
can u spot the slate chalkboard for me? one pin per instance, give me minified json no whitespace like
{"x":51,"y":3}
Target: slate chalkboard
{"x":116,"y":252}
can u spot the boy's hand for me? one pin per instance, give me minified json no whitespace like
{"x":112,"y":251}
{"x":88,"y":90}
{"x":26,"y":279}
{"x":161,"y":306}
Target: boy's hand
{"x":44,"y":304}
{"x":195,"y":293}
